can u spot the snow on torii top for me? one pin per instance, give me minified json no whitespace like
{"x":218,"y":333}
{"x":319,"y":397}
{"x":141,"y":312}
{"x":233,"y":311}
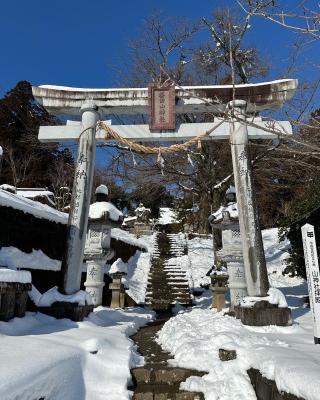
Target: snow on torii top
{"x":196,"y":99}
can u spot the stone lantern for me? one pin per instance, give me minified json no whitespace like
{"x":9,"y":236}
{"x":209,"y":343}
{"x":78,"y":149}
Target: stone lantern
{"x":102,"y":217}
{"x":117,"y":271}
{"x":142,"y":224}
{"x":227,"y":220}
{"x":219,"y":288}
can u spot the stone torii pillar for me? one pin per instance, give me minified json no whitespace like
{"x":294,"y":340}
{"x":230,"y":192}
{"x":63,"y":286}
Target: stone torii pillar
{"x":81,"y":195}
{"x":253,"y":252}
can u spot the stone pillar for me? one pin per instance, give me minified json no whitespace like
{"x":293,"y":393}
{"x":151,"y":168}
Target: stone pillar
{"x":95,"y":280}
{"x":253,"y":252}
{"x":237,"y":282}
{"x":81,"y":194}
{"x":118,"y":293}
{"x":219,"y":290}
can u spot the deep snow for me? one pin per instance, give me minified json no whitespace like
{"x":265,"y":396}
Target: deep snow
{"x":284,"y":354}
{"x":65,"y":360}
{"x":61,"y":359}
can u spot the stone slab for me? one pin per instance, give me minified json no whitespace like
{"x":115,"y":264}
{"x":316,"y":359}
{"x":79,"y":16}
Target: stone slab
{"x":264,"y":314}
{"x":62,"y":309}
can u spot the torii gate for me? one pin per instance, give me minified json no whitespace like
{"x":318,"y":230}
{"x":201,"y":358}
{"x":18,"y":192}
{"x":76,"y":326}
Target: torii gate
{"x":244,"y":102}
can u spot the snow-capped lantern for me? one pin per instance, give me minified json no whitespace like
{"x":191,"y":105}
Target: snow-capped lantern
{"x":142,"y":213}
{"x":142,"y":224}
{"x":117,"y":271}
{"x":102,"y":217}
{"x":227,"y":220}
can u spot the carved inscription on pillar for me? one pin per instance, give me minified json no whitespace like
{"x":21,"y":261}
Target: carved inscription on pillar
{"x":162,"y":107}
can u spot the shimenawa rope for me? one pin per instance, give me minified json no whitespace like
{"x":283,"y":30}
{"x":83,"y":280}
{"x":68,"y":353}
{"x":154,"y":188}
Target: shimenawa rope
{"x":111,"y":134}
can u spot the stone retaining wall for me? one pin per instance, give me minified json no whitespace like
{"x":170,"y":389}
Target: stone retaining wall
{"x":266,"y":389}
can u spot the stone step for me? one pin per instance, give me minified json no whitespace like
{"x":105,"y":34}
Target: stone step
{"x":162,"y":375}
{"x":178,"y":299}
{"x":167,"y":289}
{"x":165,"y":393}
{"x":167,"y":273}
{"x":165,"y":292}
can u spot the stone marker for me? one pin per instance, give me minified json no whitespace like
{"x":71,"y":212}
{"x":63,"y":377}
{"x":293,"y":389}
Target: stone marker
{"x":313,"y":276}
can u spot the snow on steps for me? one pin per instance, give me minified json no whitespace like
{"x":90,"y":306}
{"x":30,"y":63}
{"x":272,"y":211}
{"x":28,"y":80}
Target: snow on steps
{"x":167,"y":281}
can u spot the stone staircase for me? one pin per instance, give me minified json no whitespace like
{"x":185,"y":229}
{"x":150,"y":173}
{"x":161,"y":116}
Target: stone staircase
{"x":167,"y":282}
{"x":156,"y":380}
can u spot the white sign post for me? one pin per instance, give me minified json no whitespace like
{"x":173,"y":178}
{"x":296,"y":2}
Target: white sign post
{"x":313,"y":276}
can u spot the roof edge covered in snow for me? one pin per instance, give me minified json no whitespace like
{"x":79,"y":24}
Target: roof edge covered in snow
{"x":259,"y":96}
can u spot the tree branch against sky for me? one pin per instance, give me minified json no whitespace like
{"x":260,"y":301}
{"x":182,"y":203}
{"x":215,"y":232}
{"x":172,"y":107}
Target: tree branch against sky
{"x":227,"y":54}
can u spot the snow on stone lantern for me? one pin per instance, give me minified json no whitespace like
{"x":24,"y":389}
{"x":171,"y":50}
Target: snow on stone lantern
{"x":227,"y":220}
{"x":102,"y":217}
{"x":117,"y":271}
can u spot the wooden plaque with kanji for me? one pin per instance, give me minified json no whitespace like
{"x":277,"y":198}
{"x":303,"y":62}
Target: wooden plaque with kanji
{"x":162,"y":107}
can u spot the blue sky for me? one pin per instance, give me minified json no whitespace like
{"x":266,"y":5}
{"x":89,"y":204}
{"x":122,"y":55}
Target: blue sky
{"x":81,"y":43}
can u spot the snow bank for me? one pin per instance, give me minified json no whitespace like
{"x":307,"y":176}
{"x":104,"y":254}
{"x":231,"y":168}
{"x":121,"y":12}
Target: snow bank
{"x":200,"y":253}
{"x":35,"y":208}
{"x":52,"y":295}
{"x":61,"y":359}
{"x":8,"y":188}
{"x":98,"y":209}
{"x":167,"y":216}
{"x":14,"y":258}
{"x":138,"y":267}
{"x":284,"y":354}
{"x":129,"y":238}
{"x":32,"y":194}
{"x":275,"y":296}
{"x":9,"y":275}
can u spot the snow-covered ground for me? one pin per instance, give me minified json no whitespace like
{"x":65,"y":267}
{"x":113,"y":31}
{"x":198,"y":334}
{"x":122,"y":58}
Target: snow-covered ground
{"x":167,"y":216}
{"x":284,"y":354}
{"x":42,"y":357}
{"x":61,"y":359}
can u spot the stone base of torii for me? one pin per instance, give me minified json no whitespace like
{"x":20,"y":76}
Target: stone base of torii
{"x":243,"y":102}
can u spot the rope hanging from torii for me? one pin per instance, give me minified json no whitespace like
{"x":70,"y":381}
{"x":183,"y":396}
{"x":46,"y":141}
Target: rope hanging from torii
{"x":111,"y":134}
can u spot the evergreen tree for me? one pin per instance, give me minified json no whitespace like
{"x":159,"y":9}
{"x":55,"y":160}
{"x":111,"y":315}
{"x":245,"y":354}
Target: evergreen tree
{"x":26,"y":161}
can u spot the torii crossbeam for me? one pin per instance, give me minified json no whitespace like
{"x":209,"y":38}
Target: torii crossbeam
{"x":244,"y":101}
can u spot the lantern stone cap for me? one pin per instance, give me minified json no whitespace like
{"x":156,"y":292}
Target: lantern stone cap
{"x":119,"y":101}
{"x":231,"y":189}
{"x":99,"y":209}
{"x":102,"y":189}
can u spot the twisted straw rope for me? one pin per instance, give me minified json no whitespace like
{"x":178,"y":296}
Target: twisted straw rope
{"x":175,"y":148}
